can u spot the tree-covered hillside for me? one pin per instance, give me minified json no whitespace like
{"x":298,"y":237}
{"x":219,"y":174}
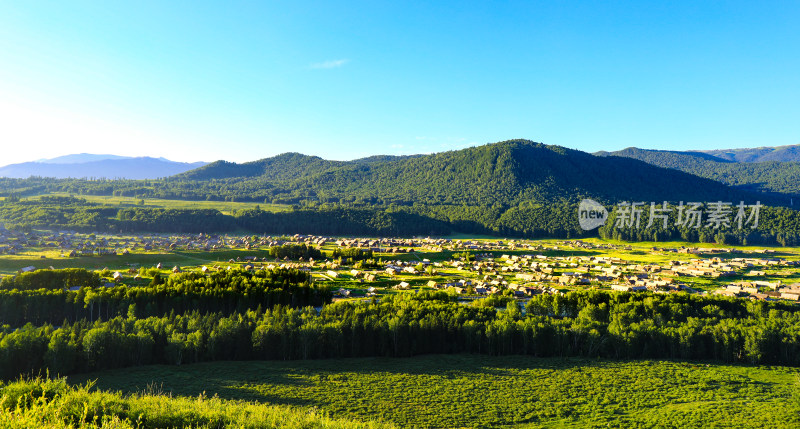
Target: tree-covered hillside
{"x":286,"y":166}
{"x":514,"y":188}
{"x":506,"y":173}
{"x":772,"y":176}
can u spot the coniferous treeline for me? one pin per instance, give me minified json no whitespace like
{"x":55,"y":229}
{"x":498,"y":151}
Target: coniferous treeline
{"x":51,"y":279}
{"x":222,"y":292}
{"x":295,"y":251}
{"x":172,"y":220}
{"x":776,"y":226}
{"x":590,"y":324}
{"x":57,"y":212}
{"x":352,"y":254}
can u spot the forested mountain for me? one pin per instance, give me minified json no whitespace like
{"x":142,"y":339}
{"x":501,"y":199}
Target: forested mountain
{"x":772,"y":176}
{"x":282,"y":167}
{"x":514,"y":188}
{"x":506,"y":173}
{"x":97,"y":166}
{"x":759,"y":154}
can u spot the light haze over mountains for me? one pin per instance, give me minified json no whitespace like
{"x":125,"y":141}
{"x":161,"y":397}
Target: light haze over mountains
{"x":85,"y":165}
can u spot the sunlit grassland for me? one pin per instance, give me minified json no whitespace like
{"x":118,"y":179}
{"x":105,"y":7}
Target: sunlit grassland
{"x":789,"y":253}
{"x":52,"y":404}
{"x":480,"y":391}
{"x":10,"y":264}
{"x":226,"y":207}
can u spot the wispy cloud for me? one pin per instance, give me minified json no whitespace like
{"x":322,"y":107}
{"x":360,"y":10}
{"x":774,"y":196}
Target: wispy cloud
{"x":331,"y":64}
{"x":446,"y":142}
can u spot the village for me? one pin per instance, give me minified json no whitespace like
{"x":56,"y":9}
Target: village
{"x":468,"y":268}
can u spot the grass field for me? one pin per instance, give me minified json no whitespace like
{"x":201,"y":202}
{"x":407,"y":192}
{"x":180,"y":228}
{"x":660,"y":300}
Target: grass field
{"x":10,"y":265}
{"x":42,"y":403}
{"x":223,"y":206}
{"x":480,"y":391}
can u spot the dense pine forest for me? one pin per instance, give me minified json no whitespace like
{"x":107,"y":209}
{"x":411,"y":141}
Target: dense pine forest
{"x":241,"y":316}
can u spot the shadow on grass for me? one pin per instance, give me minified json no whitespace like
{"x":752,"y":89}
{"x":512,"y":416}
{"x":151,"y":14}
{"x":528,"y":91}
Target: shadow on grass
{"x":247,"y":380}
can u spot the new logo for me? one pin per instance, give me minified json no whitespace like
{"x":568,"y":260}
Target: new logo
{"x":591,"y":214}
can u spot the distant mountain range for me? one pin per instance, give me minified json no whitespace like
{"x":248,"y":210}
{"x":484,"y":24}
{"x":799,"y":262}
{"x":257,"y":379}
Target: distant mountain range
{"x":515,"y":187}
{"x":788,"y":153}
{"x":86,"y":165}
{"x":79,"y":158}
{"x":505,"y":173}
{"x":765,"y":176}
{"x":509,"y":173}
{"x":759,"y":154}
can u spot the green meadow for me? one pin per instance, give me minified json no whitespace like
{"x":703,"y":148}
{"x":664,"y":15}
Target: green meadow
{"x":226,"y":207}
{"x":52,"y":404}
{"x":453,"y":391}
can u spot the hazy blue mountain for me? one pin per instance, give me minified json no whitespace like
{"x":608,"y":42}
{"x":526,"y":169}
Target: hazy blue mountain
{"x":99,"y":166}
{"x":80,"y":157}
{"x":789,"y":153}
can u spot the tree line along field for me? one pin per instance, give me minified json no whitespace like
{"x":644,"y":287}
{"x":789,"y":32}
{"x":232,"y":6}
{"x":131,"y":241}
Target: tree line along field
{"x":557,"y":219}
{"x":267,"y":331}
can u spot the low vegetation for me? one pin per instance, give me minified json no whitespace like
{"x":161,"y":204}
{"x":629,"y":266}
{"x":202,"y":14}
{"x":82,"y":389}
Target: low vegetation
{"x":53,"y":404}
{"x":477,"y":391}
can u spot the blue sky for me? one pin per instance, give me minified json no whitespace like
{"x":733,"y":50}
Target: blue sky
{"x":246,"y":80}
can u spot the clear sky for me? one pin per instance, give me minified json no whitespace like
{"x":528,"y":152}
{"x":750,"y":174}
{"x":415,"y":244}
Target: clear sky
{"x":192,"y":80}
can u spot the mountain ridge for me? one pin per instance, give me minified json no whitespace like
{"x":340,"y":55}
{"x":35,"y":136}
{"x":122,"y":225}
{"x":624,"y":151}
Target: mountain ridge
{"x":509,"y":172}
{"x":765,"y":176}
{"x":785,"y":153}
{"x":117,"y":167}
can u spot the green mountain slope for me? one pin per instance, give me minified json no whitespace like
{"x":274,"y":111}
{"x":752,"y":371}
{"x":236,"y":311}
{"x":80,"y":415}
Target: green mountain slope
{"x":776,"y":177}
{"x":511,"y":188}
{"x":282,"y":167}
{"x":506,"y":173}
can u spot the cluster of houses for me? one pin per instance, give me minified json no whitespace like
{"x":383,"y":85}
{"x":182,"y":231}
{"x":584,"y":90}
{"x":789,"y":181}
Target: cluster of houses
{"x":405,"y":245}
{"x":75,"y":245}
{"x":759,"y":289}
{"x":536,"y":273}
{"x":481,"y":274}
{"x":12,"y":242}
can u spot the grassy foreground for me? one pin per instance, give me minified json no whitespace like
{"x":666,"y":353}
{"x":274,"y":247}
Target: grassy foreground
{"x":480,"y":391}
{"x":52,"y":404}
